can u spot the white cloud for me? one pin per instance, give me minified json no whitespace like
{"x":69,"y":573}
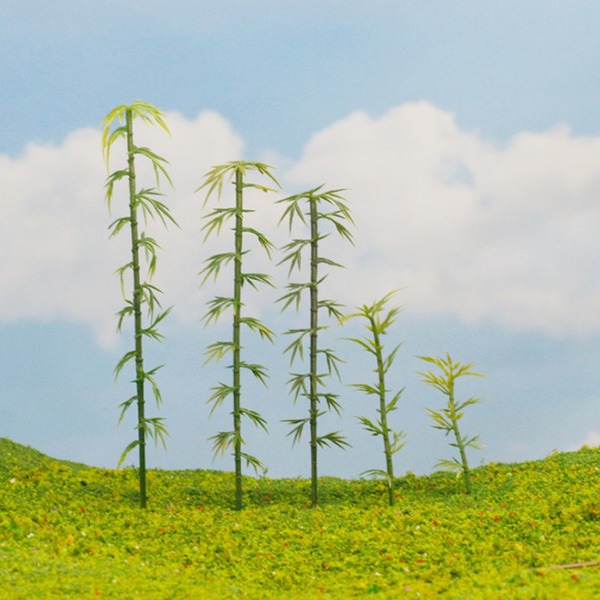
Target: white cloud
{"x":482,"y":232}
{"x":591,"y":440}
{"x":54,"y":256}
{"x":466,"y":227}
{"x":57,"y":260}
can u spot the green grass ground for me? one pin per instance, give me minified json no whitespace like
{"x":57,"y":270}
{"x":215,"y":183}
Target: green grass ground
{"x":67,"y":530}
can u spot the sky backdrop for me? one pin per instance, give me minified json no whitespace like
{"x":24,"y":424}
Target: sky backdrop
{"x":467,"y":135}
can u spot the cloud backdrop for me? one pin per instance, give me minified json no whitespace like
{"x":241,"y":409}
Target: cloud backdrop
{"x":467,"y":136}
{"x":505,"y":234}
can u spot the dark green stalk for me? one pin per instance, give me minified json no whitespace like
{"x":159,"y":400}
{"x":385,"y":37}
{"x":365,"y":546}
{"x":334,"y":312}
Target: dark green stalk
{"x":237,"y":310}
{"x":143,"y":293}
{"x":309,"y":384}
{"x":137,"y":308}
{"x":387,"y":447}
{"x":225,"y":440}
{"x":459,"y":440}
{"x":314,"y":324}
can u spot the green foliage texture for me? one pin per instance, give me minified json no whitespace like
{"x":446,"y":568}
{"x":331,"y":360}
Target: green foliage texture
{"x":67,"y":530}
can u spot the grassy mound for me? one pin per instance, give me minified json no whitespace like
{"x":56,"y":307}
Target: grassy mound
{"x":16,"y":457}
{"x":67,"y":530}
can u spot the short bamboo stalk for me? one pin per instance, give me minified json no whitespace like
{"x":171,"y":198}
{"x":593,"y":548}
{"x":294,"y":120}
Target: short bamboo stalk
{"x":377,"y":327}
{"x":447,"y":418}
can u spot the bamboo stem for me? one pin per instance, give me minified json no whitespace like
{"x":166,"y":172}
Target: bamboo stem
{"x":383,"y":408}
{"x":237,"y":308}
{"x":314,"y":322}
{"x":137,"y":310}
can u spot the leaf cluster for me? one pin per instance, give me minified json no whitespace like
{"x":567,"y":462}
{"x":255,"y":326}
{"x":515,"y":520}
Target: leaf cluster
{"x":226,"y":173}
{"x":151,"y":116}
{"x":338,"y":215}
{"x":229,"y":440}
{"x":447,"y":419}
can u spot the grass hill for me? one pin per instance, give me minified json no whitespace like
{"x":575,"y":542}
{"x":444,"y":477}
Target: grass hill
{"x":15,"y":456}
{"x":529,"y":530}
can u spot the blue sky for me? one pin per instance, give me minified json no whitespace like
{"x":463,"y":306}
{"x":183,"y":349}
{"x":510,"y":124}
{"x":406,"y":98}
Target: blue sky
{"x":466,"y":133}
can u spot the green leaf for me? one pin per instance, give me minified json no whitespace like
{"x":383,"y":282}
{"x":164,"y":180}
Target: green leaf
{"x":252,"y":461}
{"x":398,"y":441}
{"x":262,"y":239}
{"x":255,"y":278}
{"x":215,"y":263}
{"x":365,"y":388}
{"x":392,"y":404}
{"x":128,"y":356}
{"x":127,"y":450}
{"x":327,"y":261}
{"x":217,"y":306}
{"x":365,"y":344}
{"x":255,"y":417}
{"x":297,"y":346}
{"x":124,"y":406}
{"x":331,"y":360}
{"x":158,"y":163}
{"x":294,"y":254}
{"x":222,"y":441}
{"x":216,"y":219}
{"x":118,"y":224}
{"x":151,"y":331}
{"x":331,"y":400}
{"x":217,"y":176}
{"x":126,"y":311}
{"x":379,"y":474}
{"x":256,"y":326}
{"x":149,"y":376}
{"x":257,"y":370}
{"x":450,"y":465}
{"x":144,"y":201}
{"x":219,"y":393}
{"x":372,"y":428}
{"x":297,"y":429}
{"x":218,"y":350}
{"x":121,"y":272}
{"x":333,"y":439}
{"x":332,"y":308}
{"x":298,"y":385}
{"x":294,"y":295}
{"x":156,"y":429}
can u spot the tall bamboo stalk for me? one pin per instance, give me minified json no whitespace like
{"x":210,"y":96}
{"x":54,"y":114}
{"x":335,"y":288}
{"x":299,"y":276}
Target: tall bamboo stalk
{"x":233,"y":439}
{"x":314,"y":325}
{"x":142,"y":292}
{"x":309,"y":385}
{"x":237,"y":315}
{"x":137,"y":308}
